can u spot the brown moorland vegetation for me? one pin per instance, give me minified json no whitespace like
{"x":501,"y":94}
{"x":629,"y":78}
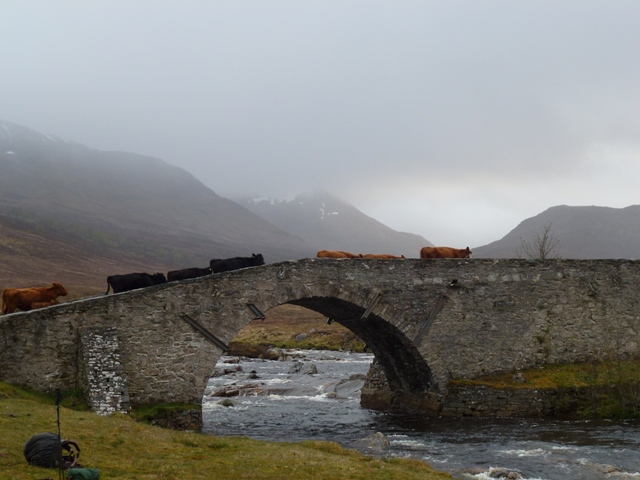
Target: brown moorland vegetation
{"x":291,"y":326}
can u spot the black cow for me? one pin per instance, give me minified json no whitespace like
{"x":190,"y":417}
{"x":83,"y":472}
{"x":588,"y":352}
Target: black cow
{"x":228,"y":264}
{"x":131,"y":281}
{"x":185,"y":273}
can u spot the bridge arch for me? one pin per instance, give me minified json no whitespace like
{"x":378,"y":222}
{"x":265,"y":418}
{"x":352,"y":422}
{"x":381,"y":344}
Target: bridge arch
{"x":359,"y":307}
{"x":404,"y":367}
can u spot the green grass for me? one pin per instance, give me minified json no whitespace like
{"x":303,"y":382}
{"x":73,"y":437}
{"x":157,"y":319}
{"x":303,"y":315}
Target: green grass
{"x":149,"y":413}
{"x":573,"y":375}
{"x":122,"y":448}
{"x":599,"y":389}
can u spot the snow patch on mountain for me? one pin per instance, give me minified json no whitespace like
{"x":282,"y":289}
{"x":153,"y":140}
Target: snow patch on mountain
{"x":324,"y":213}
{"x":271,"y":200}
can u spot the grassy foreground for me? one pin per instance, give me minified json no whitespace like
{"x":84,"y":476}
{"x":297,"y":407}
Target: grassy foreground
{"x":124,"y":449}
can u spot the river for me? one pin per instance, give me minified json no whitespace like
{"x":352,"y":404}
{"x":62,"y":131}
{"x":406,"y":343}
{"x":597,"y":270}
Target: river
{"x":289,"y":401}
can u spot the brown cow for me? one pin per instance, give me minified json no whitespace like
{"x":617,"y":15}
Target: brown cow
{"x":381,"y":255}
{"x":25,"y":298}
{"x":337,"y":254}
{"x":444,"y":252}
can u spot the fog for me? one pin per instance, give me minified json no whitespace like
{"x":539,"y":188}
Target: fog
{"x":455,"y":120}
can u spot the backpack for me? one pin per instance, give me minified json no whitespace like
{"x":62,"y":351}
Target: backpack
{"x":47,"y":450}
{"x":82,"y":474}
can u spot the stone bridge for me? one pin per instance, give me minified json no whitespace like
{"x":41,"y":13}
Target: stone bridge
{"x":426,"y":321}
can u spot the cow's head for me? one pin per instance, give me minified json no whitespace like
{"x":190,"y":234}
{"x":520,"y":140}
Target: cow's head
{"x":257,"y":259}
{"x":59,"y":289}
{"x":158,"y":278}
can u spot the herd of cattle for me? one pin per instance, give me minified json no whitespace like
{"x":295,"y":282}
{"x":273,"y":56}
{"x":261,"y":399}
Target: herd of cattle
{"x":38,"y":297}
{"x":132,"y":281}
{"x":425,"y":252}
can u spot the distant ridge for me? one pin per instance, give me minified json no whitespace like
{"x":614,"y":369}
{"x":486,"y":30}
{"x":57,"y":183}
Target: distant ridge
{"x":326,"y":222}
{"x":583,"y":232}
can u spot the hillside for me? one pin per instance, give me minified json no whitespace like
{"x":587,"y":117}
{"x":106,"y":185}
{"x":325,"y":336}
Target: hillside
{"x":68,"y":211}
{"x":327,"y":222}
{"x":583,"y":232}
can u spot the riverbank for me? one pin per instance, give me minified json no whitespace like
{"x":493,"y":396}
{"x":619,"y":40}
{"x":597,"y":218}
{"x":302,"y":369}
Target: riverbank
{"x":598,"y":389}
{"x":605,"y":389}
{"x":290,"y":326}
{"x":122,"y":448}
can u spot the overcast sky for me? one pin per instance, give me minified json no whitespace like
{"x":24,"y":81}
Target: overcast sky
{"x":455,"y":120}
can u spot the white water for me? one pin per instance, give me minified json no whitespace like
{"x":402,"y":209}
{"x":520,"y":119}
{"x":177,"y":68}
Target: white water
{"x":280,"y":406}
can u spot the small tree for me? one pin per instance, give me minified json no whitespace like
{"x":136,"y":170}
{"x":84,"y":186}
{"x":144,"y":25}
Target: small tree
{"x":543,"y":247}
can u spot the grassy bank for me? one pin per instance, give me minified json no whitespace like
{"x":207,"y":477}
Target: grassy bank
{"x":125,"y":449}
{"x":600,"y":389}
{"x":290,"y":326}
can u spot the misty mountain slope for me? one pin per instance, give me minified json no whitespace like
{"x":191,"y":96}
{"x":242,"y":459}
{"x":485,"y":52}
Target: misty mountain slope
{"x":583,"y":232}
{"x":326,"y":222}
{"x":38,"y":258}
{"x":124,"y":205}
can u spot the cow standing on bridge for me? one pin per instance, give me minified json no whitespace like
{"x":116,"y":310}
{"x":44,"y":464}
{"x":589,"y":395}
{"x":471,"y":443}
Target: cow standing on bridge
{"x":30,"y":298}
{"x":226,"y":265}
{"x":444,"y":252}
{"x":337,"y":254}
{"x":186,"y":273}
{"x":133,"y":281}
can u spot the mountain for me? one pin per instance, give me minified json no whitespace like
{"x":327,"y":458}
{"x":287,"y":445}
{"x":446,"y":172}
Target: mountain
{"x":70,"y":212}
{"x":582,"y":232}
{"x":327,"y":223}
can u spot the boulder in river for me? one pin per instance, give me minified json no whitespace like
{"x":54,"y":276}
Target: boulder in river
{"x":303,"y":368}
{"x":377,"y":442}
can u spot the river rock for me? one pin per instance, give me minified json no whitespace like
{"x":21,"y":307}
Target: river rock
{"x":234,"y":390}
{"x":377,"y":442}
{"x":603,"y":468}
{"x":303,"y":368}
{"x":471,"y":472}
{"x":219,"y":372}
{"x":273,"y":354}
{"x":227,"y":403}
{"x":505,"y":473}
{"x":347,"y":388}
